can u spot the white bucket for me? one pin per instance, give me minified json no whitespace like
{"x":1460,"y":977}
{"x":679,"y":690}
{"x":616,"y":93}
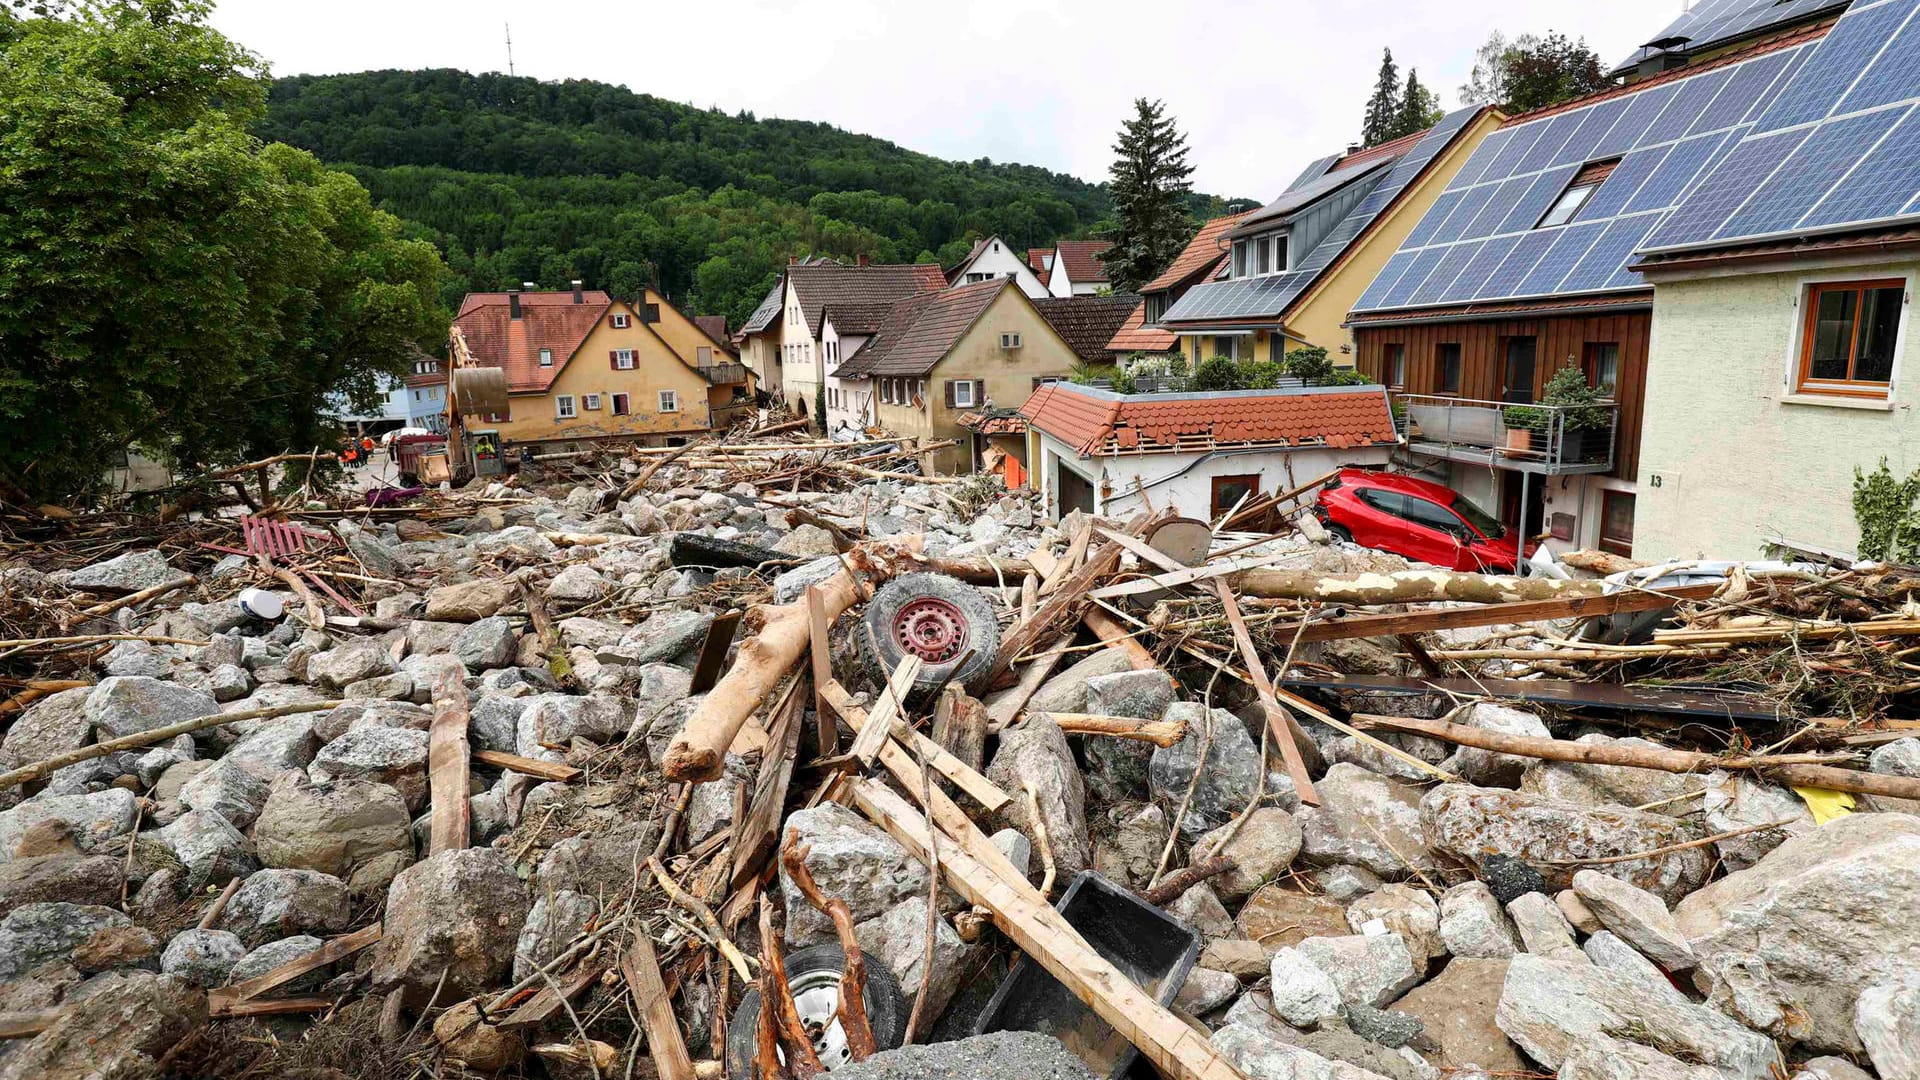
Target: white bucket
{"x":262,"y":604}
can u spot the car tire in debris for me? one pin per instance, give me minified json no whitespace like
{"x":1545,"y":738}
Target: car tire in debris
{"x":948,"y":624}
{"x":1340,"y":533}
{"x":814,"y":975}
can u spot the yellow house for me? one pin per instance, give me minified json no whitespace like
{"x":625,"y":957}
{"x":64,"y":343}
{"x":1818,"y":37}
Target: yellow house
{"x":582,"y":365}
{"x":730,"y":384}
{"x":940,"y":355}
{"x":1296,"y":267}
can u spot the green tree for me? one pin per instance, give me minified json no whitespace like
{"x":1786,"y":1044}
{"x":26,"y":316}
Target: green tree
{"x":1419,"y":107}
{"x":166,"y":281}
{"x":1149,"y":186}
{"x":1383,"y":108}
{"x":1532,"y":72}
{"x":1484,"y":84}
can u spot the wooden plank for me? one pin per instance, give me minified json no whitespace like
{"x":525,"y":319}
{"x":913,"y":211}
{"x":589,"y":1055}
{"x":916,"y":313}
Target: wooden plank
{"x":886,"y":709}
{"x":1523,"y":611}
{"x":546,"y":1002}
{"x":1108,"y":629}
{"x":713,"y":651}
{"x":963,"y":776}
{"x":759,"y":828}
{"x":332,"y":952}
{"x":1007,"y":706}
{"x":449,"y":772}
{"x":1044,"y":935}
{"x":665,"y":1045}
{"x":544,"y":770}
{"x":269,"y":1007}
{"x":819,"y":644}
{"x":1284,"y":727}
{"x":960,"y":727}
{"x":1064,"y":607}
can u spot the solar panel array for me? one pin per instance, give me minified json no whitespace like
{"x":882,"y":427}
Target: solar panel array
{"x":1840,"y":146}
{"x":1269,"y":295}
{"x":1716,"y":22}
{"x":1481,"y":242}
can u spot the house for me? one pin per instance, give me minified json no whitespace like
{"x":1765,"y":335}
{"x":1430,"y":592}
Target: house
{"x":1522,"y":268}
{"x":1296,"y":266}
{"x":1112,"y":454}
{"x":702,"y":342}
{"x":1040,"y":261}
{"x":582,"y":365}
{"x":992,"y":258}
{"x":1715,"y":28}
{"x":1203,"y":259}
{"x":426,"y":388}
{"x":1089,"y":323}
{"x":1784,"y":357}
{"x":938,"y":355}
{"x":1073,"y":267}
{"x":787,"y":341}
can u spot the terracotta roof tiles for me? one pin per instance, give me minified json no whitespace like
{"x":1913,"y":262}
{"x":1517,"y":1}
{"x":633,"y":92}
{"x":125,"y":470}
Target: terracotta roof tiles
{"x":921,"y":330}
{"x":1081,"y":258}
{"x":1133,"y":335}
{"x":1203,"y":252}
{"x":1097,"y":422}
{"x":548,"y":320}
{"x":1088,"y":323}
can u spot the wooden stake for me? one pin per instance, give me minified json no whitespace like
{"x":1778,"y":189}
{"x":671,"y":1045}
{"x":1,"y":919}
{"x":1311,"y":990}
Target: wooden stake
{"x":665,"y":1044}
{"x":1286,"y":730}
{"x":46,"y":766}
{"x":534,"y":767}
{"x":448,"y":769}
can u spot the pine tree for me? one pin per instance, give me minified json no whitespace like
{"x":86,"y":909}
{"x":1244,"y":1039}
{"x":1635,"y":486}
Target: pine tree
{"x":1383,"y":108}
{"x":1149,"y":187}
{"x":1419,"y":107}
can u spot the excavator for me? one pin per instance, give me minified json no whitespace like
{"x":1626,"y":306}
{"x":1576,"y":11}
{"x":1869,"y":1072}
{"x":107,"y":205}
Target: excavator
{"x":463,"y":453}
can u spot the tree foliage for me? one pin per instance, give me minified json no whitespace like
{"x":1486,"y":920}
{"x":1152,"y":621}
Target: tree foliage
{"x":1532,"y":72}
{"x":1887,"y":510}
{"x":1150,"y":189}
{"x":1419,"y":107}
{"x":166,"y":280}
{"x":1383,"y":108}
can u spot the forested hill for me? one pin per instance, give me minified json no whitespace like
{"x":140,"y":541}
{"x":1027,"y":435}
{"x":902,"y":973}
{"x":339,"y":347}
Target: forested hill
{"x":522,"y":180}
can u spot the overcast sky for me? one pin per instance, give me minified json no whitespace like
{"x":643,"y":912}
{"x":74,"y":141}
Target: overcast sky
{"x":1259,"y":88}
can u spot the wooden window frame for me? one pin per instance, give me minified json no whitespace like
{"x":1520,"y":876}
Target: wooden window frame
{"x":1387,"y":372}
{"x":1803,"y":380}
{"x":1440,"y":367}
{"x":620,"y":404}
{"x":589,"y":402}
{"x":1252,"y":480}
{"x":625,"y":360}
{"x":1590,"y":363}
{"x":1607,"y":543}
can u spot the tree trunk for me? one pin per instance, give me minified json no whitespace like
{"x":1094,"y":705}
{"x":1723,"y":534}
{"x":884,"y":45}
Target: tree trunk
{"x":1408,"y":586}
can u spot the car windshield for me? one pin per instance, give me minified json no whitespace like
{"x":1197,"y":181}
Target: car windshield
{"x":1489,"y":526}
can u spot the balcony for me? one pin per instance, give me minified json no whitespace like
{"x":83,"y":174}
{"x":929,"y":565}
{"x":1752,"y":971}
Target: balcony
{"x":1546,"y":440}
{"x":722,"y":374}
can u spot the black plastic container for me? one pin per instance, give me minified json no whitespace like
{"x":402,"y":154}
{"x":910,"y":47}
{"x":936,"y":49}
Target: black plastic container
{"x":1145,"y":943}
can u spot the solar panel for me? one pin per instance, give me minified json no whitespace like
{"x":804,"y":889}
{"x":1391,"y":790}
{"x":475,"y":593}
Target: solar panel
{"x":1516,"y":266}
{"x":1568,"y":248}
{"x":1716,"y":22}
{"x":1558,"y":131}
{"x":1599,"y":120}
{"x":1792,"y":70}
{"x":1625,"y":133}
{"x":1470,"y":206}
{"x":1415,"y":277}
{"x":1541,"y":193}
{"x":1435,"y":217}
{"x":1748,"y":83}
{"x":1809,"y":173}
{"x":1482,"y":157}
{"x":1517,"y":148}
{"x":1383,"y":282}
{"x":1622,"y":184}
{"x":1748,"y":166}
{"x":1440,"y":282}
{"x":1883,"y":184}
{"x":1684,"y":108}
{"x":1684,"y":162}
{"x":1838,"y":60}
{"x":1491,"y":254}
{"x":1895,"y":77}
{"x":1608,"y":254}
{"x":1487,"y":221}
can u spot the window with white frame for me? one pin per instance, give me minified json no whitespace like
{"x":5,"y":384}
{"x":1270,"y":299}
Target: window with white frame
{"x":1010,"y":340}
{"x":669,"y":401}
{"x":563,"y":407}
{"x":546,"y":357}
{"x":623,"y":359}
{"x":590,"y":402}
{"x":963,"y":394}
{"x":620,"y":321}
{"x":920,"y":390}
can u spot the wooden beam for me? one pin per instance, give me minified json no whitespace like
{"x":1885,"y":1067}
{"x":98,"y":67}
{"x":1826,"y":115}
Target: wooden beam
{"x":713,"y":651}
{"x":665,"y":1045}
{"x":1157,"y":732}
{"x":1108,"y":629}
{"x":1522,"y":611}
{"x":758,"y":830}
{"x":1286,"y":730}
{"x":1410,"y":587}
{"x":534,"y":767}
{"x":1065,"y":606}
{"x":221,"y":1000}
{"x":887,"y":708}
{"x":1007,"y":706}
{"x":1189,"y":575}
{"x":819,"y":644}
{"x":448,"y":770}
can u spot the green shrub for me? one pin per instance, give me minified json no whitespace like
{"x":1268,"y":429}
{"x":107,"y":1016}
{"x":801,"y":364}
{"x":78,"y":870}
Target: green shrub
{"x":1884,"y":509}
{"x":1219,"y":373}
{"x":1310,"y":363}
{"x":1260,"y":374}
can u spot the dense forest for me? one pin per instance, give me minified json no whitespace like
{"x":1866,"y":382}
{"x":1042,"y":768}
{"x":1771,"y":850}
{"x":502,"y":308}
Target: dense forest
{"x":520,"y":180}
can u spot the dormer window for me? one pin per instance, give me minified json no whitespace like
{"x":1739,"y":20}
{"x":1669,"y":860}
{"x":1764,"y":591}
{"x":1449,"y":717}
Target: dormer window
{"x":546,"y":357}
{"x":1258,"y":255}
{"x":1579,"y":190}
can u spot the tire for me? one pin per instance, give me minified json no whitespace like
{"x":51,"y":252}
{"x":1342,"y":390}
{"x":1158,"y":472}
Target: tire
{"x":923,"y":605}
{"x":1340,"y":533}
{"x":886,"y":1008}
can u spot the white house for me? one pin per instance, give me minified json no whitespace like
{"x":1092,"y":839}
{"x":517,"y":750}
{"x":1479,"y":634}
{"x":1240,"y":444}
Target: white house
{"x":992,"y":258}
{"x":1075,"y":269}
{"x":1112,"y":454}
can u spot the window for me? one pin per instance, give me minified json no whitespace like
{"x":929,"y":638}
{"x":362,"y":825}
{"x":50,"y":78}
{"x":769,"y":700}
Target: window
{"x":1010,"y":341}
{"x":649,"y":313}
{"x":1156,"y":307}
{"x":590,"y":402}
{"x":1394,"y":365}
{"x":1446,"y":367}
{"x":1518,"y":386}
{"x":1579,"y":190}
{"x":563,"y":406}
{"x":1601,"y":363}
{"x":416,"y":395}
{"x":1229,"y":491}
{"x":1847,"y":344}
{"x":974,"y":276}
{"x":498,"y":417}
{"x":546,"y":357}
{"x":833,"y":351}
{"x":620,"y":405}
{"x":620,"y":321}
{"x":963,"y":394}
{"x":669,"y":401}
{"x":920,"y":391}
{"x":1432,"y":515}
{"x":703,"y":356}
{"x":1262,"y":254}
{"x":1616,"y":522}
{"x":1042,"y":380}
{"x":1280,"y":253}
{"x":622,"y":359}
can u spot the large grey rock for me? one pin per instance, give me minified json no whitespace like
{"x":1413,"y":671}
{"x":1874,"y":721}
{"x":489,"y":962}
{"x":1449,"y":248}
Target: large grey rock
{"x":272,"y":904}
{"x":396,"y":757}
{"x":1130,"y":851}
{"x":1066,"y":691}
{"x":575,"y":585}
{"x":1553,"y":836}
{"x":1117,"y":768}
{"x":1367,"y":820}
{"x":226,"y":789}
{"x":63,"y":876}
{"x":1549,"y":1006}
{"x":376,"y":555}
{"x":1474,"y":925}
{"x":276,"y":746}
{"x":33,"y":934}
{"x":1036,"y":756}
{"x":1638,"y":916}
{"x":557,"y":719}
{"x":597,"y":862}
{"x":130,"y":704}
{"x":459,"y":912}
{"x":275,"y":953}
{"x":898,"y":939}
{"x":1143,"y":695}
{"x":1303,"y":993}
{"x":1543,"y":928}
{"x":1277,"y":918}
{"x":333,"y":828}
{"x":849,"y":859}
{"x":1831,"y":1068}
{"x":132,"y":572}
{"x":1789,"y":945}
{"x":53,"y":725}
{"x":1406,"y":911}
{"x":1228,"y":778}
{"x":1898,"y":758}
{"x":486,"y":644}
{"x":469,"y":601}
{"x":792,"y":584}
{"x":551,"y":923}
{"x":1200,"y":908}
{"x":93,"y":820}
{"x":665,"y":636}
{"x":1262,"y":850}
{"x":1888,"y":1020}
{"x":1369,"y":969}
{"x":1264,"y":1055}
{"x":1485,"y":767}
{"x":119,"y":1030}
{"x":1603,"y":1057}
{"x":350,"y":662}
{"x":1612,"y":785}
{"x":210,"y":849}
{"x":1734,"y":802}
{"x":1456,"y":1008}
{"x":202,"y":958}
{"x":1205,"y":991}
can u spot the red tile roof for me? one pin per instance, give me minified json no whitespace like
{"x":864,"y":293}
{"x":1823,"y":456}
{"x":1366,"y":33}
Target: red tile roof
{"x":858,"y":318}
{"x":1088,"y":322}
{"x":1097,"y":422}
{"x":993,"y":421}
{"x":1081,"y":259}
{"x":1203,"y":252}
{"x":922,"y":329}
{"x":549,"y":320}
{"x":1133,"y":335}
{"x":826,"y":284}
{"x":1037,"y":262}
{"x":715,"y":327}
{"x":1391,"y":149}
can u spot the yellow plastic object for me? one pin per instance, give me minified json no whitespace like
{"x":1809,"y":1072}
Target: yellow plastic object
{"x":1826,"y":805}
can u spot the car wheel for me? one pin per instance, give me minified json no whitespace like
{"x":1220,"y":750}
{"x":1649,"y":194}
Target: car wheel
{"x":948,"y":624}
{"x":1340,"y":533}
{"x":814,"y":975}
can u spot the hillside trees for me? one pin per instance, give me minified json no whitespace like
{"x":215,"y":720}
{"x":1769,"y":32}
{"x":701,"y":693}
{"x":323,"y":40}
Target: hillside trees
{"x":1395,"y":110}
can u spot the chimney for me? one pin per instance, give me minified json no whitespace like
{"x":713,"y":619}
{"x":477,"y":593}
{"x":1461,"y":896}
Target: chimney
{"x":513,"y":303}
{"x":865,"y":260}
{"x":1353,"y":148}
{"x":579,"y":297}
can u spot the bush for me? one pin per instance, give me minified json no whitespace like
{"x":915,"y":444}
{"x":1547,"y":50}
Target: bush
{"x":1311,"y":364}
{"x":1219,"y":373}
{"x":1260,"y":374}
{"x":1884,"y":508}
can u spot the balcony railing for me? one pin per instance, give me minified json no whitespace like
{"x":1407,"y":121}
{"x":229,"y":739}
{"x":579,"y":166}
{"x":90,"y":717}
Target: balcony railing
{"x":1550,"y":440}
{"x":721,"y":374}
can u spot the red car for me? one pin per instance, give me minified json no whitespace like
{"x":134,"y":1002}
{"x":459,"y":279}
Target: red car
{"x":1415,"y":518}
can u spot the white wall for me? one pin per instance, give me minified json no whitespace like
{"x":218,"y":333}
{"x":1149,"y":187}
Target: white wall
{"x":799,"y":354}
{"x":1128,"y":483}
{"x":998,"y":260}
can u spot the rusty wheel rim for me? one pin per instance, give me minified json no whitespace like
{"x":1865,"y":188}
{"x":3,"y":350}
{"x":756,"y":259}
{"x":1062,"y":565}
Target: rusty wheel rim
{"x":930,"y":628}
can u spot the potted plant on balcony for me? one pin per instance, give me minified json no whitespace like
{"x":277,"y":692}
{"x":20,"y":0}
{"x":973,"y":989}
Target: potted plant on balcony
{"x":1581,"y":409}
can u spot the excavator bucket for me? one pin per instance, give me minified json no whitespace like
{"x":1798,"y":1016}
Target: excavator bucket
{"x":479,"y":390}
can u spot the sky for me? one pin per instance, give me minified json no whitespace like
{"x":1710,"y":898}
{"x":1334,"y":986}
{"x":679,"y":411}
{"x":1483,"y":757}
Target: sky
{"x":1259,"y":88}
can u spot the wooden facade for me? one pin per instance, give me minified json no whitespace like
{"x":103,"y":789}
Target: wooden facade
{"x":1558,"y":340}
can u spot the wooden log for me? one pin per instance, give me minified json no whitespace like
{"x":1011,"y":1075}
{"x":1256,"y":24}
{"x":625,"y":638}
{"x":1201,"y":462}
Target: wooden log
{"x":1188,"y":576}
{"x":1157,"y":732}
{"x":853,"y":979}
{"x":534,"y":767}
{"x":46,"y":766}
{"x":550,"y":646}
{"x":639,"y":483}
{"x":142,"y":596}
{"x":819,"y":651}
{"x":37,"y":689}
{"x":1176,"y":1049}
{"x":665,"y":1045}
{"x":1523,"y":611}
{"x":1286,"y":730}
{"x":960,"y":727}
{"x":1270,"y":503}
{"x":978,"y":570}
{"x":223,"y":999}
{"x":266,"y":463}
{"x":1409,"y":587}
{"x":448,"y":769}
{"x":1173,"y":885}
{"x":777,"y":997}
{"x":1664,"y":760}
{"x":1604,"y":563}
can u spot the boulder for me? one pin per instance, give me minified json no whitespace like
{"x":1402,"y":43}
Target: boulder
{"x":209,"y":848}
{"x":1603,"y":1057}
{"x":1888,"y":1021}
{"x":276,"y":746}
{"x":1205,"y":991}
{"x":1262,"y":850}
{"x":668,"y":634}
{"x":1485,"y":767}
{"x":459,"y":912}
{"x":1736,"y":801}
{"x":1553,"y":835}
{"x":273,"y":904}
{"x":226,"y":789}
{"x":275,"y":953}
{"x":65,"y":877}
{"x":90,"y":821}
{"x":1406,"y":911}
{"x":469,"y":601}
{"x":1789,"y":945}
{"x":1344,"y":883}
{"x":1303,"y":994}
{"x":597,"y":862}
{"x":113,"y":948}
{"x":121,"y":1028}
{"x":1228,"y":779}
{"x":1612,"y":785}
{"x":850,"y":859}
{"x":1898,"y":758}
{"x":1117,"y":768}
{"x":1036,"y":757}
{"x":486,"y":644}
{"x":1277,"y":918}
{"x":1457,"y":1009}
{"x":1474,"y":925}
{"x":898,"y":939}
{"x":557,"y":719}
{"x":1130,"y":851}
{"x":202,"y":958}
{"x":333,"y":828}
{"x":551,"y":923}
{"x":479,"y":1045}
{"x":1237,"y":956}
{"x":1579,"y":915}
{"x":396,"y":757}
{"x":123,"y":705}
{"x":132,"y":572}
{"x":1066,"y":691}
{"x":1544,"y":931}
{"x":1367,"y":820}
{"x":350,"y":662}
{"x":1831,"y":1068}
{"x":1200,"y":908}
{"x":576,"y":585}
{"x":1270,"y":1052}
{"x":33,"y":934}
{"x":53,"y":725}
{"x":1369,"y":969}
{"x":1638,"y":916}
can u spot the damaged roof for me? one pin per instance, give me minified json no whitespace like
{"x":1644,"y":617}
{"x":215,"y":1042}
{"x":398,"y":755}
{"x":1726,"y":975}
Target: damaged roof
{"x":1101,"y":422}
